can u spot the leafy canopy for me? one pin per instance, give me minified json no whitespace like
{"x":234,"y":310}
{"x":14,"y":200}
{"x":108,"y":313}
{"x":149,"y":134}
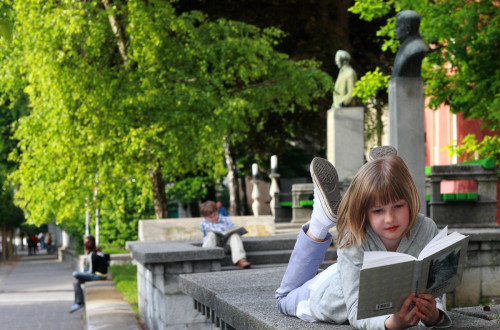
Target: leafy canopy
{"x":161,"y":94}
{"x":463,"y":67}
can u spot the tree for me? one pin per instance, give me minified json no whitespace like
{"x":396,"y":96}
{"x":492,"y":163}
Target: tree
{"x":140,"y":96}
{"x":461,"y":69}
{"x":312,"y":30}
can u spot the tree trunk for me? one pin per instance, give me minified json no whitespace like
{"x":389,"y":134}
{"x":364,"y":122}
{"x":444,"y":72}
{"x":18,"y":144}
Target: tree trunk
{"x":244,"y":201}
{"x":4,"y":244}
{"x":10,"y":244}
{"x":380,"y":125}
{"x":118,"y":32}
{"x":234,"y":191}
{"x":159,"y":195}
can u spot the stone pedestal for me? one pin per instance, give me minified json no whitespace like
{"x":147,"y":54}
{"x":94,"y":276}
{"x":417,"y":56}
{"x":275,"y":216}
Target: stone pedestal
{"x":345,"y":137}
{"x":407,"y":127}
{"x":464,"y":213}
{"x":301,"y":192}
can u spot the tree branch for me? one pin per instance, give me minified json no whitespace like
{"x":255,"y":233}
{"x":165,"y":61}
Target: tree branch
{"x":118,"y":32}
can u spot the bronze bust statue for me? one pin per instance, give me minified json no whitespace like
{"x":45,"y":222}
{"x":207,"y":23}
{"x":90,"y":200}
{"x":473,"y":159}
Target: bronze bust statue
{"x":408,"y":62}
{"x":342,"y":94}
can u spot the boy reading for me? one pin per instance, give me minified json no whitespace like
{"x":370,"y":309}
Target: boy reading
{"x":215,"y":222}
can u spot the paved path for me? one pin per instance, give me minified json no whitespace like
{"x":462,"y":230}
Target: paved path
{"x":36,"y":293}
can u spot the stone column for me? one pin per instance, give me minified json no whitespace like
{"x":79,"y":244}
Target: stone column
{"x":407,"y":127}
{"x":255,"y":191}
{"x":345,"y":140}
{"x":301,"y":192}
{"x":274,"y":183}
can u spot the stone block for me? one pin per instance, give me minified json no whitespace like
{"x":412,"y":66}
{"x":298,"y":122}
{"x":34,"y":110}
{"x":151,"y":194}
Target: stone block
{"x":149,"y":253}
{"x":202,"y":266}
{"x":489,"y":258}
{"x":473,"y":246}
{"x":174,"y":268}
{"x":301,"y":215}
{"x":187,"y":267}
{"x":345,"y":140}
{"x":473,"y":259}
{"x":159,"y":281}
{"x":188,"y":229}
{"x":171,"y":285}
{"x":180,"y":311}
{"x":490,"y":283}
{"x":468,"y":293}
{"x":216,"y":266}
{"x":486,"y":246}
{"x":158,"y":269}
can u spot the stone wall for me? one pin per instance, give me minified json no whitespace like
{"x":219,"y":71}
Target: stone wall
{"x":184,"y":229}
{"x":480,"y":279}
{"x":161,"y":265}
{"x":162,"y":305}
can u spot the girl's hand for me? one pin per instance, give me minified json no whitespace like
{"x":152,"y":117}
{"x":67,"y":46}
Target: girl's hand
{"x":426,"y":309}
{"x":405,"y":318}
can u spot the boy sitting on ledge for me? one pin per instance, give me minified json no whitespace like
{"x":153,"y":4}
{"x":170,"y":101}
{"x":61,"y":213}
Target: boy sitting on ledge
{"x":217,"y":222}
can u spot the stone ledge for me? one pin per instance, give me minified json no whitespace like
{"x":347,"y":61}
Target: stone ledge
{"x":106,"y":309}
{"x":245,"y":300}
{"x":185,"y":229}
{"x":167,"y":252}
{"x":493,"y":314}
{"x":491,"y":234}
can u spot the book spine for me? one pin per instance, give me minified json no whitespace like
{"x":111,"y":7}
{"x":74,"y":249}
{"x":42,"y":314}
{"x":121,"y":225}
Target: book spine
{"x":417,"y":270}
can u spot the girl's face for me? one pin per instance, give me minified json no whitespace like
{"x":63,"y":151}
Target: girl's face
{"x":390,"y":222}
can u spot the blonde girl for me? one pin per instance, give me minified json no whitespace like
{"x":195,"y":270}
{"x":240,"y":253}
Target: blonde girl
{"x":379,"y":212}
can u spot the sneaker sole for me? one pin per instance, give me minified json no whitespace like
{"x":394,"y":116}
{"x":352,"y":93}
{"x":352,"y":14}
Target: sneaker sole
{"x":382,"y":151}
{"x":326,"y":179}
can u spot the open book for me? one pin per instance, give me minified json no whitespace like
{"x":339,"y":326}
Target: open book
{"x":387,"y":278}
{"x":225,"y":235}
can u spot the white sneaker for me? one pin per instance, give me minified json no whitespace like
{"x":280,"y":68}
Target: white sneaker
{"x":326,"y":180}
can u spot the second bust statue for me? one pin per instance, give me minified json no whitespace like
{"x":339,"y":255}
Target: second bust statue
{"x":342,"y":94}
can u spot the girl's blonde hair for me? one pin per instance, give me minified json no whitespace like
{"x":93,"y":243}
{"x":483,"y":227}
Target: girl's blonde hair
{"x":384,"y":180}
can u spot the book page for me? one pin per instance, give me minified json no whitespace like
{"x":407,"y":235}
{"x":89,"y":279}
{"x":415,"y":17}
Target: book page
{"x":435,"y":246}
{"x":381,"y":258}
{"x":441,"y":234}
{"x":442,"y":270}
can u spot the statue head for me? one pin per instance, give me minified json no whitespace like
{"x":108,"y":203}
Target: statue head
{"x":407,"y":23}
{"x":342,"y":57}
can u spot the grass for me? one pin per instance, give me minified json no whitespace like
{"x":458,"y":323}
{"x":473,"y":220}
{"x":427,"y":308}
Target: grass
{"x":125,"y":278}
{"x":114,"y":249}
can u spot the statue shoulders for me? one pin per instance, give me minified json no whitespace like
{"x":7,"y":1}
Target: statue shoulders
{"x":409,"y":58}
{"x":347,"y":72}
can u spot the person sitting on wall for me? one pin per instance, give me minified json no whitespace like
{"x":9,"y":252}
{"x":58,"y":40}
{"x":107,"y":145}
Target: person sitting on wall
{"x":221,"y":209}
{"x":96,"y":268}
{"x":214,"y":221}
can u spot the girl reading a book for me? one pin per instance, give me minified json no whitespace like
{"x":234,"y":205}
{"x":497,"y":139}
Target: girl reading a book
{"x":379,"y":212}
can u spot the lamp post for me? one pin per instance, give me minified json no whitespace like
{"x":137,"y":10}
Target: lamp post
{"x":96,"y":210}
{"x":87,"y":217}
